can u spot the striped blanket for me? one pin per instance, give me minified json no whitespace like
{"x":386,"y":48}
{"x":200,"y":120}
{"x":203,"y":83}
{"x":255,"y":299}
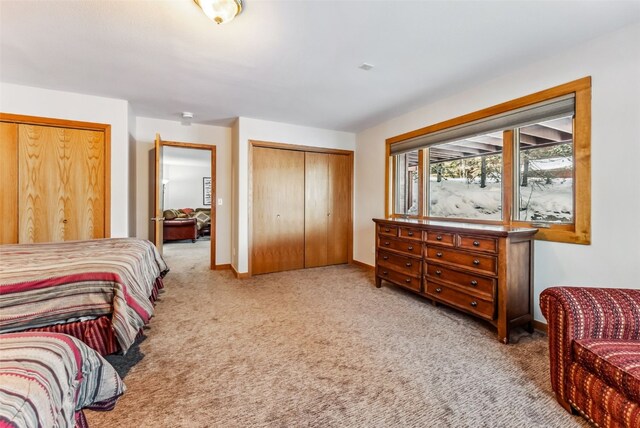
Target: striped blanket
{"x":51,"y":283}
{"x":46,"y":379}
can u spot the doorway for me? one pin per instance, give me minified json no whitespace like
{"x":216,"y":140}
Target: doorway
{"x":184,"y":179}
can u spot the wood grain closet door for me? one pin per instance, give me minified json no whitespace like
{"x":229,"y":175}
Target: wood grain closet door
{"x":84,"y":185}
{"x":339,"y":200}
{"x":61,"y":190}
{"x":316,"y":209}
{"x":9,"y":183}
{"x":277,"y":210}
{"x":41,"y":183}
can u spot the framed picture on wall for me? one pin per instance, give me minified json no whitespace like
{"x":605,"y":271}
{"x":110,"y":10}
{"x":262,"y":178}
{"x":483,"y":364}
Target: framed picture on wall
{"x":206,"y":190}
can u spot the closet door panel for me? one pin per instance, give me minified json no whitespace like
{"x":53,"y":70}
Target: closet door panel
{"x":277,"y":210}
{"x":339,"y":199}
{"x":316,"y":209}
{"x":9,"y":183}
{"x":85,"y":186}
{"x":42,"y":179}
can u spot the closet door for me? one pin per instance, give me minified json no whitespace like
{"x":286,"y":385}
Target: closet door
{"x":339,"y":213}
{"x":316,"y":209}
{"x":277,"y":210}
{"x":84,"y":188}
{"x":9,"y":183}
{"x":41,"y":183}
{"x":61,"y":190}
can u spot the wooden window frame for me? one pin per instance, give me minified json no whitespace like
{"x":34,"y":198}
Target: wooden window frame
{"x":579,"y":232}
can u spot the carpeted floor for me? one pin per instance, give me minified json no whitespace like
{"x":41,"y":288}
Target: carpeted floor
{"x":322,"y":347}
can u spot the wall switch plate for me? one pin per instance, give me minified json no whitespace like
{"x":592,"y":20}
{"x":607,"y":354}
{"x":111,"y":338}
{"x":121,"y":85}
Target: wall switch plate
{"x":219,"y":201}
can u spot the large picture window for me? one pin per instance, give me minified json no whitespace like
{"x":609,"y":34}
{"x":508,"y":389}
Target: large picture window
{"x":522,"y":163}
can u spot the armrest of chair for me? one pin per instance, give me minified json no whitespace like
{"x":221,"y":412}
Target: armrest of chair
{"x":583,"y":312}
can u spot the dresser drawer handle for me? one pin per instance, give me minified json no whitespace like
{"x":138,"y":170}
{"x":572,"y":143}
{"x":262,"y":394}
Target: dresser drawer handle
{"x":474,"y":283}
{"x":410,"y":248}
{"x":408,"y":264}
{"x":476,"y":262}
{"x":385,"y":257}
{"x":408,"y":280}
{"x":439,"y":238}
{"x":387,"y":230}
{"x":474,"y":303}
{"x":386,"y":242}
{"x":410,"y":233}
{"x":438,"y":290}
{"x":438,"y":254}
{"x":438,"y":272}
{"x":476,"y":244}
{"x":385,"y":272}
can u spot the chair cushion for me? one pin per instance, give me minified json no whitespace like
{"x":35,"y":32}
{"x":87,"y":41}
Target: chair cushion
{"x":616,"y":361}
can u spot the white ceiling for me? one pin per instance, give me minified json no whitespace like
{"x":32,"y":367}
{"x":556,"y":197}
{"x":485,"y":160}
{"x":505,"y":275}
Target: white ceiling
{"x":288,"y":61}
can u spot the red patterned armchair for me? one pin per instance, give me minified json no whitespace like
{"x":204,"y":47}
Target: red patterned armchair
{"x":594,"y":347}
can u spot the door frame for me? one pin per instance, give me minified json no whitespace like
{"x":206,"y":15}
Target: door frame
{"x":299,"y":148}
{"x":75,"y":124}
{"x":214,"y":199}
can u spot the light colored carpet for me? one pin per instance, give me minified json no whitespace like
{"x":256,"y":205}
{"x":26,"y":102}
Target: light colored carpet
{"x":322,"y":348}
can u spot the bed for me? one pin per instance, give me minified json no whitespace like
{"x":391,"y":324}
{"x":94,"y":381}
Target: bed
{"x":100,"y":291}
{"x":46,"y":379}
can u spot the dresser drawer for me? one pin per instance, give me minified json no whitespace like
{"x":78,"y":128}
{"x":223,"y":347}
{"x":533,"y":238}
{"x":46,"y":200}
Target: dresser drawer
{"x":403,"y":264}
{"x":476,"y":284}
{"x":475,"y":243}
{"x":406,"y":247}
{"x":440,"y":238}
{"x":482,"y":308}
{"x":408,"y":233}
{"x":399,"y":278}
{"x":463,"y":259}
{"x":387,"y":230}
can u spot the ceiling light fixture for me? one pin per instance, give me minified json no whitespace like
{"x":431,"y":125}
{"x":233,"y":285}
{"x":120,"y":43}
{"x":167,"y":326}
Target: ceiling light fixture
{"x":220,"y":11}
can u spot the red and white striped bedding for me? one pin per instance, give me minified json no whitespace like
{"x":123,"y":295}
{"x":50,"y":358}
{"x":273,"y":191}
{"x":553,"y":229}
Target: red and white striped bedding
{"x":50,"y":283}
{"x":46,"y":379}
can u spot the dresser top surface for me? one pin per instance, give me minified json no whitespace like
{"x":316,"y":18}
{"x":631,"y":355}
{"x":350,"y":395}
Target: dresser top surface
{"x":457,"y":226}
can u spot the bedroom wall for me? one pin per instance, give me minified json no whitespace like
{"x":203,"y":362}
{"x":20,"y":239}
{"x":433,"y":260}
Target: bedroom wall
{"x":131,"y":167}
{"x":184,"y":190}
{"x":262,"y":130}
{"x":146,"y":129}
{"x":613,"y":61}
{"x":27,"y":100}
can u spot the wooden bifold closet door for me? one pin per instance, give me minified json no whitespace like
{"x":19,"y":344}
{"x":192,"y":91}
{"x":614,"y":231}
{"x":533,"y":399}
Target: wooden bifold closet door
{"x":301,"y":209}
{"x":54,"y":182}
{"x":61,"y":184}
{"x":327,"y":208}
{"x":278,"y":210}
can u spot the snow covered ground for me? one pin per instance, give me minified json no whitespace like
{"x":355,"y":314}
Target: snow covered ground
{"x":542,"y":202}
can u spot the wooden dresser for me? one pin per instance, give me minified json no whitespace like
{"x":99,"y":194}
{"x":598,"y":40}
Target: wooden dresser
{"x":484,"y":270}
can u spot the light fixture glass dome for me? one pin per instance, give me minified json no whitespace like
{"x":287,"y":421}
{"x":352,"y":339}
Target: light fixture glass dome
{"x":220,"y":11}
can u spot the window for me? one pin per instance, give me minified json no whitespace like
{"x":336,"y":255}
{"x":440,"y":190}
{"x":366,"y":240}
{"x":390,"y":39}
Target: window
{"x":406,"y":179}
{"x":465,"y":178}
{"x":524,"y":163}
{"x":544,"y":181}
